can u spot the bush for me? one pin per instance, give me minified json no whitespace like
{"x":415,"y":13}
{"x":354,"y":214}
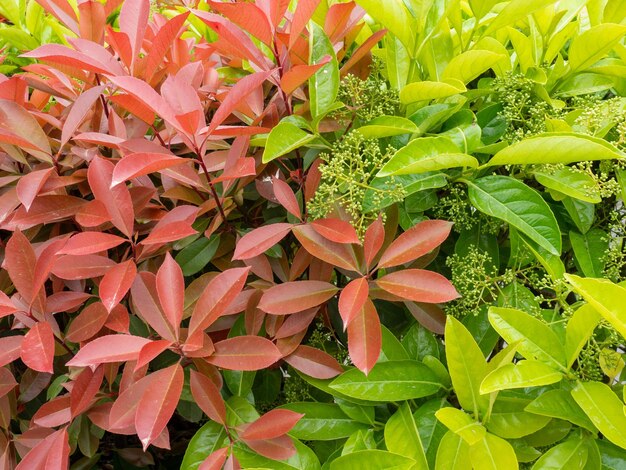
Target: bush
{"x":249,"y":212}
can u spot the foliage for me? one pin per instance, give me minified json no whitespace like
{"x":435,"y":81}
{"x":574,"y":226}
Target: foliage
{"x":249,"y":212}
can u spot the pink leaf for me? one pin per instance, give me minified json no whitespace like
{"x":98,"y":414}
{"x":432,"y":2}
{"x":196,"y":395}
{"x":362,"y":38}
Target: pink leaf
{"x":314,"y":362}
{"x":299,"y":74}
{"x":139,"y":164}
{"x":374,"y":239}
{"x":292,"y":297}
{"x":418,"y":285}
{"x":134,"y":21}
{"x":336,"y":230}
{"x":74,"y":267}
{"x":78,"y":112}
{"x":260,"y":240}
{"x":162,"y":43}
{"x":272,"y":424}
{"x":37,"y":350}
{"x":116,"y":283}
{"x":337,"y":254}
{"x":110,"y":348}
{"x":170,"y":285}
{"x":244,"y":353}
{"x":304,"y":12}
{"x":88,"y":323}
{"x":150,"y":351}
{"x":207,"y":397}
{"x":88,"y":243}
{"x":278,"y":448}
{"x":352,"y":299}
{"x":215,"y":460}
{"x":286,"y":197}
{"x":365,"y":338}
{"x":29,"y":185}
{"x":146,"y":299}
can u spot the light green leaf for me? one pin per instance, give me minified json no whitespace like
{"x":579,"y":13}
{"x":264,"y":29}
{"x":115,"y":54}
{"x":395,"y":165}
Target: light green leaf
{"x":372,"y":460}
{"x":462,"y":424}
{"x":514,"y":202}
{"x":605,"y":297}
{"x":511,"y":422}
{"x":386,"y":126}
{"x":589,"y":251}
{"x":206,"y":440}
{"x":604,"y":409}
{"x":493,"y":453}
{"x":613,"y":458}
{"x":569,"y":455}
{"x":426,"y":154}
{"x":453,"y":453}
{"x":582,"y":213}
{"x":322,"y":422}
{"x":584,"y":84}
{"x":402,"y":437}
{"x":395,"y":17}
{"x":592,"y":45}
{"x":388,"y":381}
{"x":392,"y":349}
{"x":18,"y":38}
{"x":467,"y":66}
{"x":556,"y":147}
{"x":579,"y":329}
{"x":397,"y":60}
{"x":481,"y":7}
{"x":514,"y":11}
{"x":573,"y":183}
{"x":523,"y":374}
{"x":427,"y":90}
{"x":375,"y":200}
{"x":324,"y":84}
{"x":536,"y":339}
{"x":284,"y":138}
{"x":467,"y":366}
{"x":560,"y":404}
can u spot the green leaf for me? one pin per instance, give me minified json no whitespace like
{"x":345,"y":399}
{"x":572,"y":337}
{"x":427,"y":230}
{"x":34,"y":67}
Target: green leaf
{"x":418,"y":342}
{"x":372,"y":460}
{"x":206,"y":440}
{"x":560,"y":404}
{"x":453,"y":453}
{"x":18,"y":38}
{"x":395,"y":17}
{"x":467,"y":366}
{"x":423,"y":91}
{"x":514,"y":202}
{"x":397,"y":60}
{"x":613,"y":458}
{"x":193,"y":258}
{"x":426,"y":154}
{"x":392,"y":349}
{"x":467,"y":66}
{"x":402,"y":437}
{"x":324,"y":84}
{"x":430,"y":429}
{"x":386,"y":126}
{"x":493,"y":453}
{"x":375,"y":199}
{"x":584,"y":84}
{"x":510,"y":421}
{"x":592,"y":45}
{"x":537,"y":340}
{"x":556,"y":147}
{"x":582,"y":213}
{"x":604,"y":409}
{"x":522,"y":374}
{"x":514,"y":11}
{"x":579,"y":329}
{"x":589,"y":251}
{"x":284,"y":138}
{"x":388,"y":381}
{"x":573,"y":183}
{"x":605,"y":297}
{"x":462,"y":424}
{"x":569,"y":455}
{"x":322,"y":422}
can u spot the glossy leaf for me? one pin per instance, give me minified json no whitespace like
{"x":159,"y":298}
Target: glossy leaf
{"x":283,"y":139}
{"x":336,"y":230}
{"x":523,"y":374}
{"x":365,"y":337}
{"x":292,"y":297}
{"x":324,"y":84}
{"x":378,"y":459}
{"x":207,"y":397}
{"x":352,"y":299}
{"x":402,"y":437}
{"x":418,"y":285}
{"x":37,"y":348}
{"x":261,"y":239}
{"x":244,"y":353}
{"x":109,"y":348}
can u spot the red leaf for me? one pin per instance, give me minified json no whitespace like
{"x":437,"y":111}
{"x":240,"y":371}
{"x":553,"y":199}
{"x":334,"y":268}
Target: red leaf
{"x":215,"y":460}
{"x":139,"y":164}
{"x":10,"y":348}
{"x":352,"y":299}
{"x":16,"y":121}
{"x":133,"y":21}
{"x":20,"y":263}
{"x":304,"y":12}
{"x":170,"y":285}
{"x":418,"y":285}
{"x":244,"y":353}
{"x":116,"y":283}
{"x":119,"y":319}
{"x":336,"y":230}
{"x":74,"y":267}
{"x":151,"y":351}
{"x":147,"y":96}
{"x":78,"y":112}
{"x":124,"y":409}
{"x":365,"y":338}
{"x":415,"y":242}
{"x":37,"y":349}
{"x":278,"y":448}
{"x":248,"y":16}
{"x":29,"y":185}
{"x":51,"y":453}
{"x":89,"y":322}
{"x":272,"y":424}
{"x":88,"y":243}
{"x":207,"y":397}
{"x":45,"y":261}
{"x":146,"y":299}
{"x":292,"y":297}
{"x":92,"y":214}
{"x":7,"y":381}
{"x":374,"y":239}
{"x":54,"y":413}
{"x":176,"y":224}
{"x":85,"y":388}
{"x":216,"y":297}
{"x":337,"y":254}
{"x":314,"y":362}
{"x":260,"y":240}
{"x":296,"y":323}
{"x":237,"y":94}
{"x":299,"y":74}
{"x":286,"y":197}
{"x":92,"y":20}
{"x":117,"y":200}
{"x":110,"y":348}
{"x":162,"y":43}
{"x":66,"y":301}
{"x":157,"y":405}
{"x":46,"y":209}
{"x":362,"y":51}
{"x":57,"y":54}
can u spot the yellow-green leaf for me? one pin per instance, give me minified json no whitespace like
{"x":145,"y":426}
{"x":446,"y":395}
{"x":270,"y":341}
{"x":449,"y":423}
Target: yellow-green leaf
{"x":524,"y":374}
{"x":592,"y":45}
{"x":462,"y":424}
{"x":427,"y":90}
{"x":579,"y":329}
{"x":493,"y":453}
{"x":467,"y":66}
